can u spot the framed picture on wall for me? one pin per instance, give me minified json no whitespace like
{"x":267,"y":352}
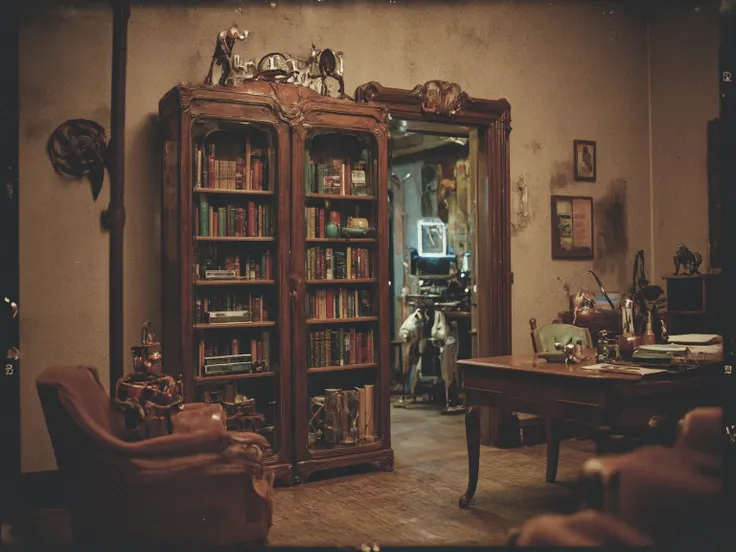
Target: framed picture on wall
{"x":584,"y":155}
{"x":572,"y":227}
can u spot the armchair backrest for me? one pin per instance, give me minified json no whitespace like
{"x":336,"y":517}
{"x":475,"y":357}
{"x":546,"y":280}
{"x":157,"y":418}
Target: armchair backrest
{"x":544,"y":338}
{"x":80,"y":416}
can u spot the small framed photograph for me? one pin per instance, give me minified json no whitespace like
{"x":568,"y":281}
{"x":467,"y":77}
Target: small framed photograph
{"x":585,"y":162}
{"x":572,"y":227}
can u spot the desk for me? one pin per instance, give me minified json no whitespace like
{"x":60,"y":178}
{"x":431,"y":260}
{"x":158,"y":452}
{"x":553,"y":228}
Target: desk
{"x":558,"y":392}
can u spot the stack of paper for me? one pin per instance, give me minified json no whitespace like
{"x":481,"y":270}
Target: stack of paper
{"x":624,"y":369}
{"x":695,"y":339}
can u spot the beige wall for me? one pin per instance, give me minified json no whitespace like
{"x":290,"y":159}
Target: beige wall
{"x":570,"y":70}
{"x":684,"y":76}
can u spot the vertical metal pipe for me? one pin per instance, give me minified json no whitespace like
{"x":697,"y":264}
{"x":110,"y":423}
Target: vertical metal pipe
{"x":116,"y":211}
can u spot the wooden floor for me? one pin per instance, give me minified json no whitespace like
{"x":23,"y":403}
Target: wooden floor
{"x":416,"y":504}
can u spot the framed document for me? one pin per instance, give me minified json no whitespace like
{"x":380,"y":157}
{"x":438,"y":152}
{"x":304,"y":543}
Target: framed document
{"x":584,"y":160}
{"x":572,"y":227}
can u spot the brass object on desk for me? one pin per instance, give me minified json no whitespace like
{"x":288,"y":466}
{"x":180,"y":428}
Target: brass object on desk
{"x":573,"y":351}
{"x":607,"y":349}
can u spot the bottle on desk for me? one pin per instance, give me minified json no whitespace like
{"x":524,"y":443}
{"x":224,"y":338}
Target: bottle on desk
{"x":648,"y":338}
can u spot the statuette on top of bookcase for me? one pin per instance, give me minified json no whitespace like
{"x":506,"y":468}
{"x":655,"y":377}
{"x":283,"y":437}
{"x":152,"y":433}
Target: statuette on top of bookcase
{"x":222,"y":56}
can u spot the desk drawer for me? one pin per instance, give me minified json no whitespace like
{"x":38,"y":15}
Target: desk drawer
{"x":565,"y":394}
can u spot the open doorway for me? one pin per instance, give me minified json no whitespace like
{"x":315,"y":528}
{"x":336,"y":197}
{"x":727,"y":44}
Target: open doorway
{"x":431,"y":231}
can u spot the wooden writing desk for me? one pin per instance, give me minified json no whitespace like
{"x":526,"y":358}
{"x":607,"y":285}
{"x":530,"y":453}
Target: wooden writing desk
{"x":559,"y":392}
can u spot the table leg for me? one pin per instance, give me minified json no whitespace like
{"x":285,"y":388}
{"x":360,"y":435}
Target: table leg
{"x":552,"y":429}
{"x":472,"y":435}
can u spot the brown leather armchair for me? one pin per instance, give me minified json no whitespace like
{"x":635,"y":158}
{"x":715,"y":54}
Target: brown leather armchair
{"x":655,"y":495}
{"x":199,"y":487}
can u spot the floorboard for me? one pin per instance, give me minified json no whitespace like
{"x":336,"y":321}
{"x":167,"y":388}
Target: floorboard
{"x":416,"y":504}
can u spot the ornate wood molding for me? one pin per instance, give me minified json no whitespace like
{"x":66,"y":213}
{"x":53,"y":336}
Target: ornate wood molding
{"x":288,"y":102}
{"x":440,"y":97}
{"x":434,"y":100}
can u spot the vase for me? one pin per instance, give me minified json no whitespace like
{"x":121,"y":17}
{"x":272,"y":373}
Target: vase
{"x":332,"y":230}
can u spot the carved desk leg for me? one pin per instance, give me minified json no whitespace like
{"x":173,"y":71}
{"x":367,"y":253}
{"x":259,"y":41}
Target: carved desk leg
{"x":472,"y":434}
{"x":552,"y":428}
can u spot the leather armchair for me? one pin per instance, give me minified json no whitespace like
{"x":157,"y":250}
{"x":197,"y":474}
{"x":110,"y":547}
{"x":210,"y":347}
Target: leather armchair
{"x":655,"y":495}
{"x":198,"y":487}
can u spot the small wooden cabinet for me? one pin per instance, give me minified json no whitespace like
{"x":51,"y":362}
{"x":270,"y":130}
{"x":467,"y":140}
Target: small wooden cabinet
{"x":692,"y":303}
{"x":270,"y":305}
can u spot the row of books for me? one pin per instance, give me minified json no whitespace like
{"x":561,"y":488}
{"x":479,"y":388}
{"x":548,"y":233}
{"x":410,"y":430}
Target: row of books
{"x":347,"y":418}
{"x":230,"y":301}
{"x":325,"y":304}
{"x":252,"y":267}
{"x":339,"y":347}
{"x":259,"y":347}
{"x":338,"y":263}
{"x":336,"y":176}
{"x":253,"y":221}
{"x":246,"y":172}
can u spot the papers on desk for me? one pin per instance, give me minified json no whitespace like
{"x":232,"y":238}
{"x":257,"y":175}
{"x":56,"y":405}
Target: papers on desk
{"x":706,"y":353}
{"x":695,"y":339}
{"x":624,"y":369}
{"x":668,"y":349}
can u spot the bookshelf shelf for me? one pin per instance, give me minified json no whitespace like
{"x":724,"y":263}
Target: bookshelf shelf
{"x":341,"y":281}
{"x":261,"y":193}
{"x":354,"y":320}
{"x":210,"y":380}
{"x":340,"y":197}
{"x":326,"y":452}
{"x":341,"y":240}
{"x":323,"y":369}
{"x":234,"y":282}
{"x":232,"y":239}
{"x":232,"y":325}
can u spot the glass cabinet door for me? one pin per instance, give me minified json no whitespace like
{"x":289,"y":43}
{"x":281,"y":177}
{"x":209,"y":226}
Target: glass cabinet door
{"x":340,"y":306}
{"x":235,"y":274}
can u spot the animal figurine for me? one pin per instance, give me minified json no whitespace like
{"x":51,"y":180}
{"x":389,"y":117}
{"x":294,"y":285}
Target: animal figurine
{"x":687,"y":260}
{"x":572,"y":351}
{"x":222,"y":57}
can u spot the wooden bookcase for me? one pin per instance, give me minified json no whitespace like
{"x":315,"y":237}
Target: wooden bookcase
{"x":252,"y":177}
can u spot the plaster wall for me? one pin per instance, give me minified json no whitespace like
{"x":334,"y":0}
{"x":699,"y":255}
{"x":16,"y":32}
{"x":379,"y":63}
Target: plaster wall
{"x":570,"y":69}
{"x":684,"y":77}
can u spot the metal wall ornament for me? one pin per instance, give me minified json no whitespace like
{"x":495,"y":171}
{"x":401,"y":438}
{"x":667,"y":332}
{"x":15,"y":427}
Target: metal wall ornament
{"x":78,"y":148}
{"x":521,"y":216}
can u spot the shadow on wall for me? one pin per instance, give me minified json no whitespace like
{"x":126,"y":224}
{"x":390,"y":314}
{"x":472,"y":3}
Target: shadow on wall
{"x":560,"y":177}
{"x":612,"y":240}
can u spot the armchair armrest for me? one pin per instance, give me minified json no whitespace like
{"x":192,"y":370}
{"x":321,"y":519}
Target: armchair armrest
{"x":210,"y":440}
{"x":208,"y":499}
{"x":214,"y":439}
{"x":663,"y":492}
{"x":585,"y":528}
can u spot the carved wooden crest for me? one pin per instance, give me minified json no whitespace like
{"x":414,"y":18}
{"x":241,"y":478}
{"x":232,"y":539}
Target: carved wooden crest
{"x":440,"y":97}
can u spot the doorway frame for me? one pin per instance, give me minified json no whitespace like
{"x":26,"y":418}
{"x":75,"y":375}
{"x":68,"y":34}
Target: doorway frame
{"x":440,"y":101}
